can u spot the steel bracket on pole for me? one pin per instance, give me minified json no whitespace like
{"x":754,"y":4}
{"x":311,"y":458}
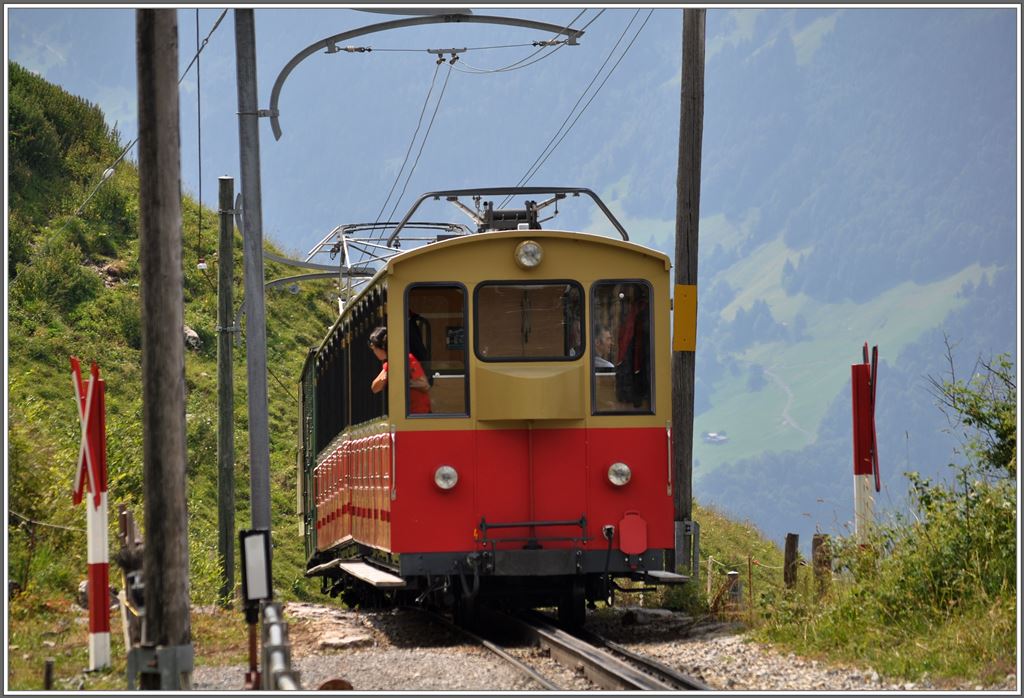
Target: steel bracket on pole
{"x":173,"y":664}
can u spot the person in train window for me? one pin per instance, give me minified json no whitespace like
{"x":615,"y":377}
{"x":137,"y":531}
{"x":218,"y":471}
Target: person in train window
{"x":419,"y":388}
{"x":602,"y":348}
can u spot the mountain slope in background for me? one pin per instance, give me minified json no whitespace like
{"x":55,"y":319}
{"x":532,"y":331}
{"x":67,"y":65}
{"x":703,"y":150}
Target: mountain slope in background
{"x":859,"y":184}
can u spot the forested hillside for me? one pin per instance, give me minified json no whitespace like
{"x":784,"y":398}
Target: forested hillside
{"x":867,"y":194}
{"x":74,"y":290}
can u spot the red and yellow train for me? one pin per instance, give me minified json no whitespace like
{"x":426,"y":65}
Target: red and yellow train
{"x":542,"y":472}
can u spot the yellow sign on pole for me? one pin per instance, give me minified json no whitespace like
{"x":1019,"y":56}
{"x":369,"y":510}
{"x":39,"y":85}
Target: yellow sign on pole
{"x":684,"y":321}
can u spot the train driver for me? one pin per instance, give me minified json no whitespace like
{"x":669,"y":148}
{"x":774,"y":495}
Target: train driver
{"x":419,"y":388}
{"x":602,"y":348}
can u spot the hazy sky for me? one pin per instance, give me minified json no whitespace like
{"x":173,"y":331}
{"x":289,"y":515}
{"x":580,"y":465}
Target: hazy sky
{"x":347,"y":115}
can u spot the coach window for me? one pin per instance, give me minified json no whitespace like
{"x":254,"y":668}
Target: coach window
{"x":368,"y":314}
{"x":620,"y":359}
{"x":436,"y":337}
{"x":540,"y":321}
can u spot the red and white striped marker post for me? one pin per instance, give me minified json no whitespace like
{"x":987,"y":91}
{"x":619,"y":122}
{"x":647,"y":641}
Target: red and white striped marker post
{"x":92,"y":473}
{"x":864,"y":381}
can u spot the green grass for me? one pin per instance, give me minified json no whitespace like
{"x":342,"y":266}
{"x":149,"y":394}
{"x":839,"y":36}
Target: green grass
{"x":62,"y":303}
{"x":725,"y":545}
{"x":933,"y":593}
{"x":47,"y":626}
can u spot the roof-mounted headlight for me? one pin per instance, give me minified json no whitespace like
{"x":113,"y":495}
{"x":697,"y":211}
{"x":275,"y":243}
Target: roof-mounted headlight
{"x":529,"y":254}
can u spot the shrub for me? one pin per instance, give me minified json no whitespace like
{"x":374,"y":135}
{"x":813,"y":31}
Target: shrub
{"x":56,"y":276}
{"x":912,"y":598}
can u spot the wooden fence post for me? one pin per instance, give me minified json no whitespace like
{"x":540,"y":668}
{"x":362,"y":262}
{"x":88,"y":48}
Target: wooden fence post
{"x":789,"y":566}
{"x":750,"y":587}
{"x":821,"y":559}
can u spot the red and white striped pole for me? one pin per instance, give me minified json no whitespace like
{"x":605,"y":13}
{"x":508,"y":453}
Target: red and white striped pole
{"x":864,"y":380}
{"x":92,"y":474}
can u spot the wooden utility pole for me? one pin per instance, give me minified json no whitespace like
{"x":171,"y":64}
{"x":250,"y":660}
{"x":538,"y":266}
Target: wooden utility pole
{"x":684,"y":340}
{"x":225,"y":392}
{"x":167,"y":635}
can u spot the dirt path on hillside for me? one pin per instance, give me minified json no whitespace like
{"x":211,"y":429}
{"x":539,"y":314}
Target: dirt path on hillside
{"x":786,"y":418}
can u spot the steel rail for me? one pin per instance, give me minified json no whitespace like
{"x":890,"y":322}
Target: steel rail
{"x":522,"y":667}
{"x":599,"y":666}
{"x":662,"y":671}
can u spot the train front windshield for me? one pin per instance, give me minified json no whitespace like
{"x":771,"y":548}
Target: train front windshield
{"x":540,"y":321}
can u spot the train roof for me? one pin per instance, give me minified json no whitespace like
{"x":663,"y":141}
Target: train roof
{"x":435,"y":247}
{"x":373,"y":245}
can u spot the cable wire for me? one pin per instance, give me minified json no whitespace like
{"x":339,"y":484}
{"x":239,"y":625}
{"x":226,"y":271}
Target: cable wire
{"x":33,"y":522}
{"x":422,"y":143}
{"x":550,"y":149}
{"x":468,"y":48}
{"x":538,"y":161}
{"x":521,"y":63}
{"x":107,"y":173}
{"x":412,"y":141}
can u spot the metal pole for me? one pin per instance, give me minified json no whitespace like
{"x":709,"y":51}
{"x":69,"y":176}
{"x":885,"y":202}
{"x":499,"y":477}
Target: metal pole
{"x":165,"y":558}
{"x":225,"y":393}
{"x":252,"y":220}
{"x":691,"y":127}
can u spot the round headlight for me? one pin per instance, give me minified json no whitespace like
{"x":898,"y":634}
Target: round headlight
{"x":445,"y":477}
{"x":619,"y":474}
{"x":529,"y":254}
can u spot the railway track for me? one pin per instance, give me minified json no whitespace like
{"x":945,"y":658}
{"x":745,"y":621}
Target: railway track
{"x":605,"y":664}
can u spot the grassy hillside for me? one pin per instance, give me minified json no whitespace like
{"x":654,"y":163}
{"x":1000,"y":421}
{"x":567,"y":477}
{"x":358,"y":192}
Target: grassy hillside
{"x":805,"y":372}
{"x":73,"y":289}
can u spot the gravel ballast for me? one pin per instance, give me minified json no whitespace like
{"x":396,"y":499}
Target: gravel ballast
{"x":405,"y":651}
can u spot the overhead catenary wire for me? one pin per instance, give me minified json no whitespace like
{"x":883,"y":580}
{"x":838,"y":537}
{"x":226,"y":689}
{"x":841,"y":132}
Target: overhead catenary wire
{"x":522,"y":63}
{"x":412,"y":141}
{"x":551,"y":145}
{"x":423,"y":142}
{"x":556,"y":140}
{"x":421,"y":50}
{"x":455,"y":57}
{"x":541,"y":46}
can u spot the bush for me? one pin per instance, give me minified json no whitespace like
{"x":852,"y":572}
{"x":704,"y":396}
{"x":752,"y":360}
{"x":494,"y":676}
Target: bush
{"x":19,"y":243}
{"x":56,"y":276}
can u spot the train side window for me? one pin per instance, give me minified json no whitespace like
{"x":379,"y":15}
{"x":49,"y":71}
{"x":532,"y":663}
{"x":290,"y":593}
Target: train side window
{"x":532,"y":321}
{"x":363,"y":366}
{"x":621,"y":369}
{"x":436,"y":337}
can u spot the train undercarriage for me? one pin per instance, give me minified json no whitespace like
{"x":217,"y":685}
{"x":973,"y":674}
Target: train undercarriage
{"x":459,"y":583}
